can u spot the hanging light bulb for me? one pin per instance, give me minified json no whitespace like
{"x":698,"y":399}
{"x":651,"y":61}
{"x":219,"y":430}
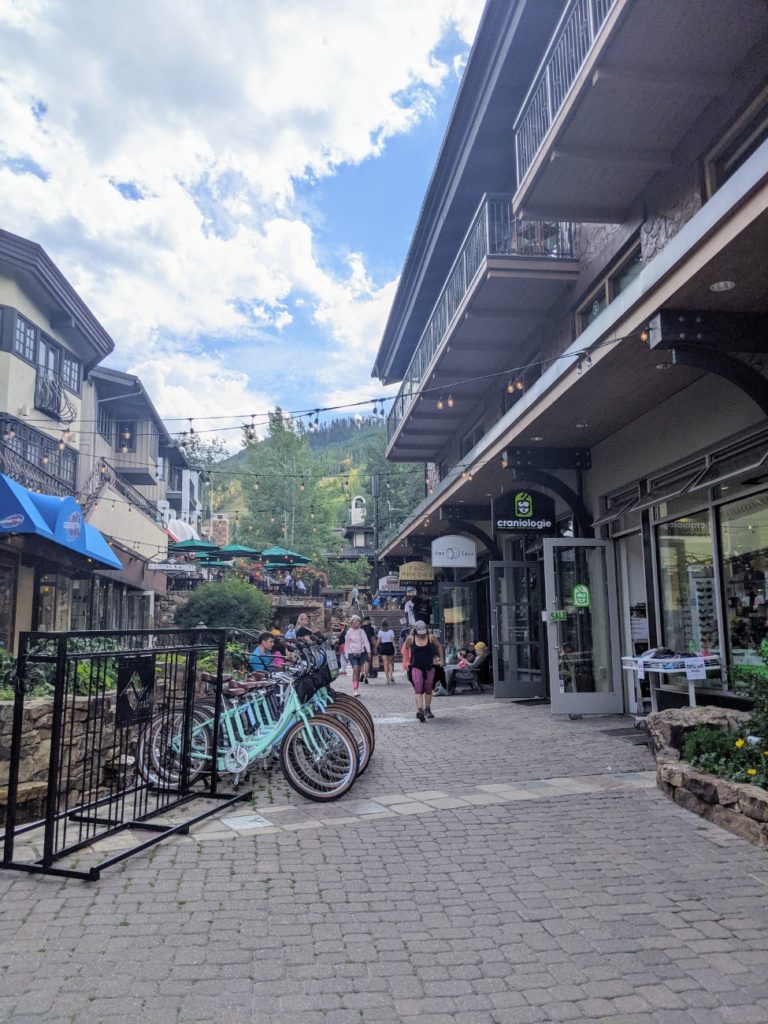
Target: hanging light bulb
{"x":579,"y":367}
{"x":645,"y":335}
{"x":519,"y":384}
{"x":312,"y":513}
{"x":130,"y":507}
{"x":449,"y":401}
{"x":123,"y":448}
{"x":45,"y":458}
{"x":103,"y":467}
{"x":510,"y":386}
{"x":440,"y":403}
{"x":589,"y":358}
{"x":66,"y":434}
{"x":61,"y":445}
{"x":271,"y":519}
{"x":127,"y":434}
{"x":113,"y":506}
{"x":256,"y":484}
{"x":316,"y":421}
{"x":301,"y":485}
{"x":505,"y":459}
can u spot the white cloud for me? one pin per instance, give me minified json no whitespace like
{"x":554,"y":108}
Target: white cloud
{"x":153,"y":147}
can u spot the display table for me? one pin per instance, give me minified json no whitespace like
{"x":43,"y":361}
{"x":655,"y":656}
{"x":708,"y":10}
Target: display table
{"x":674,"y":674}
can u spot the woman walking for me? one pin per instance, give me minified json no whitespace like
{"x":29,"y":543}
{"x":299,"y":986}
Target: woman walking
{"x":386,"y":638}
{"x":423,"y":650}
{"x":356,"y":647}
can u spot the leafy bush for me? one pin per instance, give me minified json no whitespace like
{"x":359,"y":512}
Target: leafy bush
{"x":37,"y":681}
{"x":743,"y":677}
{"x":236,"y":659}
{"x":226,"y":603}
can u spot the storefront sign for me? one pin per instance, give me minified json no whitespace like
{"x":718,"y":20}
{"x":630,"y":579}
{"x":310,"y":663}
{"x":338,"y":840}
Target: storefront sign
{"x":559,"y":615}
{"x":454,"y":550}
{"x":581,"y":596}
{"x":184,"y":567}
{"x":418,"y":572}
{"x":389,"y":583}
{"x":526,"y":512}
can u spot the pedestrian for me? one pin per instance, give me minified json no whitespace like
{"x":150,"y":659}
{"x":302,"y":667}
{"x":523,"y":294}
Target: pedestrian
{"x":288,"y":581}
{"x":386,"y":641}
{"x":301,"y":588}
{"x":424,"y":650}
{"x":261,"y":659}
{"x":368,"y":669}
{"x":408,"y":609}
{"x":341,"y":648}
{"x":290,"y":633}
{"x":354,"y":598}
{"x":303,"y":631}
{"x":356,"y":646}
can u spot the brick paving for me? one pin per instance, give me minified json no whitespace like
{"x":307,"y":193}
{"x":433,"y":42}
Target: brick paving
{"x":493,"y":866}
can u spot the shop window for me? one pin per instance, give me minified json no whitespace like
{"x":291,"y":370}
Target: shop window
{"x":8,"y":577}
{"x":54,"y":603}
{"x":747,"y":460}
{"x":744,"y":540}
{"x":687,"y":585}
{"x":592,"y":309}
{"x":626,"y":274}
{"x":662,"y":490}
{"x":615,"y":507}
{"x":24,"y":339}
{"x":105,"y":425}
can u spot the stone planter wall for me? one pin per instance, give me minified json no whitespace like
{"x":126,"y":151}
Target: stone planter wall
{"x":738,"y":807}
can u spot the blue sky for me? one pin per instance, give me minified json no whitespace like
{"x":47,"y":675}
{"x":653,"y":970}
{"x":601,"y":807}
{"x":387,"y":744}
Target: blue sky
{"x":231,"y":188}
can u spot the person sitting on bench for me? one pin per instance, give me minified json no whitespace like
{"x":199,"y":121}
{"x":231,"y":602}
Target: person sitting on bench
{"x":472,"y":675}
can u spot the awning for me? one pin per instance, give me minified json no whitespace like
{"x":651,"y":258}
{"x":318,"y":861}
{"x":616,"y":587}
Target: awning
{"x":57,"y":520}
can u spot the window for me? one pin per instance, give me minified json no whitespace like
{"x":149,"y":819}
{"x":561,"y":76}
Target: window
{"x":470,"y":439}
{"x":154,"y":442}
{"x":744,"y":539}
{"x":618,"y":277}
{"x":41,"y":452}
{"x":748,"y":133}
{"x":24,"y":339}
{"x":105,"y":425}
{"x":126,"y":437}
{"x":70,"y":371}
{"x":686,"y":571}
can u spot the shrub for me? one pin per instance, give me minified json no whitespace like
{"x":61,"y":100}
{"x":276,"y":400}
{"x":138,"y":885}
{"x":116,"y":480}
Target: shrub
{"x":727,"y":755}
{"x":226,"y":603}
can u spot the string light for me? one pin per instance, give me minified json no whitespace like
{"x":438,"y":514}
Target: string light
{"x":127,"y":434}
{"x":61,"y":445}
{"x":579,"y":367}
{"x":45,"y":459}
{"x":440,"y":403}
{"x":510,"y":387}
{"x":66,"y":433}
{"x":519,"y":384}
{"x":589,"y":358}
{"x":301,"y":485}
{"x":505,"y":459}
{"x":449,"y":401}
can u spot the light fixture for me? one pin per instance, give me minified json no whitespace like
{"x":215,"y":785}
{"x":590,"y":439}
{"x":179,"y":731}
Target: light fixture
{"x":123,"y":448}
{"x":103,"y":467}
{"x":45,"y":459}
{"x":127,"y":434}
{"x":579,"y":367}
{"x":589,"y":358}
{"x":511,"y":384}
{"x":191,"y":428}
{"x":535,"y":437}
{"x":582,"y":425}
{"x":301,"y":485}
{"x":61,"y":445}
{"x":645,"y":335}
{"x":449,"y":401}
{"x":663,"y":366}
{"x":440,"y":403}
{"x":256,"y":484}
{"x":505,"y":459}
{"x":722,"y":286}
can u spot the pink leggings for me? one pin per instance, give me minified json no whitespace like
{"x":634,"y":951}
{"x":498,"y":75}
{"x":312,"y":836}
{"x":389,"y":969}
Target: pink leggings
{"x":423,"y":681}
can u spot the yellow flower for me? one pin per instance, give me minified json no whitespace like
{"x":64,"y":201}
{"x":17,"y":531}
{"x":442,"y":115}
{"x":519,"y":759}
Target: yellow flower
{"x":751,"y":771}
{"x":739,"y":743}
{"x":765,"y":753}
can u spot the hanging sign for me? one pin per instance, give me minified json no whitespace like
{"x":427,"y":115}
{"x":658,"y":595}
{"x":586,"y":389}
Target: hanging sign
{"x":695,"y":668}
{"x":454,"y":550}
{"x":581,"y":596}
{"x":388,"y":583}
{"x":525,"y":512}
{"x":416,"y":572}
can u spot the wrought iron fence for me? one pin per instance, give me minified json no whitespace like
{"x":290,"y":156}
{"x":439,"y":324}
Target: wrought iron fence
{"x":31,"y":476}
{"x":51,"y":396}
{"x":104,"y":473}
{"x":495,"y":231}
{"x":566,"y":53}
{"x":113,"y":692}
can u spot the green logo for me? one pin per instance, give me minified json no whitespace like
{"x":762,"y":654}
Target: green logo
{"x":581,"y":596}
{"x":523,"y":504}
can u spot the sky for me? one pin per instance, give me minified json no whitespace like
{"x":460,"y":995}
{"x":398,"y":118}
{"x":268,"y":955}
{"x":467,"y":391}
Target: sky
{"x":230,"y":185}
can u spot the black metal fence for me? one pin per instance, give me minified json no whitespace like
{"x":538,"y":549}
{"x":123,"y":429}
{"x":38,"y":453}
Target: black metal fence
{"x":113,"y":693}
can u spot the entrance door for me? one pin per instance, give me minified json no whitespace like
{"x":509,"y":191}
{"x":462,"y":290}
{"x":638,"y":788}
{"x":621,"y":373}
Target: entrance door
{"x":458,"y":615}
{"x":582,"y":627}
{"x":517,"y":634}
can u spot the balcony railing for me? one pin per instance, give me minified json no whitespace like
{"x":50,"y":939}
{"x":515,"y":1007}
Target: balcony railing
{"x":566,"y":53}
{"x":51,"y":396}
{"x":495,"y":231}
{"x":104,"y":473}
{"x":31,"y":476}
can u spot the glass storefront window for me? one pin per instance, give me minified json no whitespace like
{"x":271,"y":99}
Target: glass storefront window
{"x":8,"y":574}
{"x":457,"y":601}
{"x":686,"y":570}
{"x":54,"y":604}
{"x":744,"y":538}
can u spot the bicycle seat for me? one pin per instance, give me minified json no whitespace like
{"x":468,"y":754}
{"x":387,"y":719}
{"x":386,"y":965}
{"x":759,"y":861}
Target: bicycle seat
{"x":257,"y":675}
{"x":232,"y":691}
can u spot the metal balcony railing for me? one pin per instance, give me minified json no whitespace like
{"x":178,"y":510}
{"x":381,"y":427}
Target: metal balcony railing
{"x":31,"y":476}
{"x":568,"y":49}
{"x":104,"y":473}
{"x":495,"y":231}
{"x":51,"y":396}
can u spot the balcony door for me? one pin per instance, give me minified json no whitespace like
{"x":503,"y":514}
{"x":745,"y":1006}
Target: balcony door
{"x":47,"y":389}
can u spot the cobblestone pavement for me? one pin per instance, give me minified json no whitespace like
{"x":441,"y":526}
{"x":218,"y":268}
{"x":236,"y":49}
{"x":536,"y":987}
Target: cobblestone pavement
{"x":493,"y":866}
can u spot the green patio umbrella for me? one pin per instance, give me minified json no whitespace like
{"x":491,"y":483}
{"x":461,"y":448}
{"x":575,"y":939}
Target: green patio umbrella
{"x":191,"y":547}
{"x":216,"y":565}
{"x":284,"y":558}
{"x":239,"y":551}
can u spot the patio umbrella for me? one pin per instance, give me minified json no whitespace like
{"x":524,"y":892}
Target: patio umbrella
{"x":283,"y":557}
{"x":192,"y":546}
{"x":239,"y":551}
{"x":217,"y":565}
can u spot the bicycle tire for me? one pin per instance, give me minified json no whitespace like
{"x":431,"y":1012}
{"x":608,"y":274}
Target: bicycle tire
{"x":159,"y":763}
{"x":344,"y":700}
{"x":325,"y":780}
{"x":358,"y":727}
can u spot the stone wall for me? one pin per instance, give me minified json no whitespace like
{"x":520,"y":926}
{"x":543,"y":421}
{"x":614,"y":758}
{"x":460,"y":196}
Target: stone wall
{"x":735,"y":806}
{"x":166,"y":605}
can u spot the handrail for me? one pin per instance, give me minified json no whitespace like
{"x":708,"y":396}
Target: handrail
{"x":494,"y":231}
{"x":31,"y":476}
{"x":104,"y":473}
{"x":568,"y":48}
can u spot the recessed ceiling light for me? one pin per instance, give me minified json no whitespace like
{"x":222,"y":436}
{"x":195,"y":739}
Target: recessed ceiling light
{"x":582,"y":426}
{"x":722,"y":286}
{"x":535,"y":437}
{"x":663,"y":366}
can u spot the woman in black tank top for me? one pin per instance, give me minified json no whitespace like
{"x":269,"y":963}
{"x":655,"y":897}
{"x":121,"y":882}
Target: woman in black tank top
{"x":423,"y":649}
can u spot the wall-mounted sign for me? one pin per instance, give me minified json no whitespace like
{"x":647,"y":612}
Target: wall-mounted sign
{"x":387,"y":583}
{"x":581,"y":596}
{"x":184,"y":567}
{"x":416,"y":572}
{"x":456,"y":551}
{"x":525,"y":512}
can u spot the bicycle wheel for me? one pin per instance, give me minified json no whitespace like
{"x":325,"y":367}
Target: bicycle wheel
{"x":357,"y":725}
{"x":345,"y":701}
{"x":319,"y":759}
{"x":158,"y":751}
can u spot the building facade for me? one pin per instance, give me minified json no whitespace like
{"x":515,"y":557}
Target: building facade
{"x":71,"y":429}
{"x":579,"y":333}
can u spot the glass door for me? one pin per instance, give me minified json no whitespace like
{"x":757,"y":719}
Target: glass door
{"x":582,"y":627}
{"x":458,"y":616}
{"x":517,"y":633}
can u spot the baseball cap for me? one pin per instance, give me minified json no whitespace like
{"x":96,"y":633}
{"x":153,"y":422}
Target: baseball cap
{"x":421,"y":628}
